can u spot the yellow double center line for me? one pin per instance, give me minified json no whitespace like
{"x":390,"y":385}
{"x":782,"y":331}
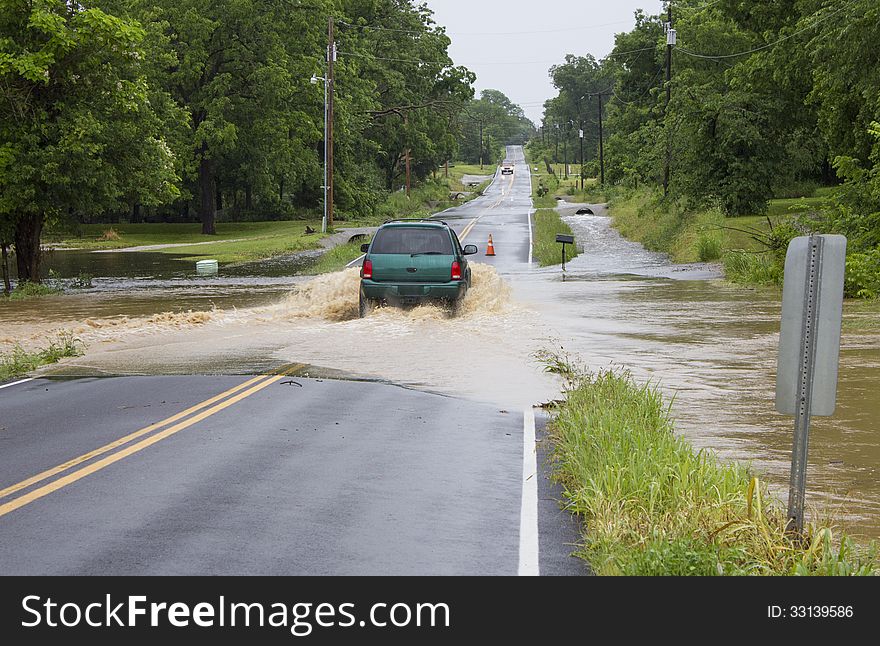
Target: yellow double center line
{"x":208,"y":408}
{"x":470,"y":225}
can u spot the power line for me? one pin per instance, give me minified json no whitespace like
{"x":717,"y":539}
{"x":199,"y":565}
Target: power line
{"x":490,"y":33}
{"x":445,"y":63}
{"x":631,"y":51}
{"x":768,"y":45}
{"x":542,"y":31}
{"x":642,"y":95}
{"x":376,"y":28}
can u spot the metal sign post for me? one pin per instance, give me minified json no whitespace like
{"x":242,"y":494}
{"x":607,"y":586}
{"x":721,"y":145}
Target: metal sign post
{"x":809,"y":347}
{"x":564,"y":239}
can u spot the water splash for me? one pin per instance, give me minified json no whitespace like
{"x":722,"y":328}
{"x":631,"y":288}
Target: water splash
{"x":334,"y":297}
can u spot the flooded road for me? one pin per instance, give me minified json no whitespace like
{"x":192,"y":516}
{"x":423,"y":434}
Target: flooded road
{"x":710,"y":346}
{"x":713,"y":347}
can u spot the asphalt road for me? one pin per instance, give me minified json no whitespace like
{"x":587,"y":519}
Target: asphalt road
{"x":504,"y":212}
{"x":274,"y":474}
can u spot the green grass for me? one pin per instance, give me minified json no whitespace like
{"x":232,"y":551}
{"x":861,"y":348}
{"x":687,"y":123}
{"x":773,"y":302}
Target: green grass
{"x":26,"y":290}
{"x":282,"y":243}
{"x":547,"y":184}
{"x":545,"y":249}
{"x":652,"y":505}
{"x":458,"y":170}
{"x":789,"y":206}
{"x":751,"y":268}
{"x":336,"y":258}
{"x":234,"y":242}
{"x":18,"y":361}
{"x":249,"y":241}
{"x":136,"y":235}
{"x":558,"y":186}
{"x":739,"y":243}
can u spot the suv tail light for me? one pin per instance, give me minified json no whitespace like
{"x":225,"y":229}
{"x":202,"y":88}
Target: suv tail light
{"x":367,"y":269}
{"x":456,"y":270}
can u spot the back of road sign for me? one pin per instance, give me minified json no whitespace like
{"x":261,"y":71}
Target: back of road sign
{"x":797,"y":335}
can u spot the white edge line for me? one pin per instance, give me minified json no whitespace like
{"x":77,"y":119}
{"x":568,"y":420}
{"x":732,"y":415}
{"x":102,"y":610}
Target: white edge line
{"x":15,"y":383}
{"x":359,"y":258}
{"x":529,"y":218}
{"x":528,"y":516}
{"x":531,"y":211}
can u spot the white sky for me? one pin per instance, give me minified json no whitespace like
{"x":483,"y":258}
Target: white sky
{"x":511,"y":44}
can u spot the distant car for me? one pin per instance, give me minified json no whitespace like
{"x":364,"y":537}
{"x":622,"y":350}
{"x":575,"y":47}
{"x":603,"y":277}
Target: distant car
{"x":414,"y":261}
{"x":507,"y":168}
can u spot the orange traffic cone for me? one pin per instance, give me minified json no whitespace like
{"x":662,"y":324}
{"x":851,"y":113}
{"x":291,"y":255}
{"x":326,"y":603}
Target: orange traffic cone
{"x":490,"y":248}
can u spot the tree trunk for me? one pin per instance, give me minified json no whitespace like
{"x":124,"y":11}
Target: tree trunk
{"x":27,"y":247}
{"x":7,"y":288}
{"x":207,"y":207}
{"x":136,"y":214}
{"x":248,"y":197}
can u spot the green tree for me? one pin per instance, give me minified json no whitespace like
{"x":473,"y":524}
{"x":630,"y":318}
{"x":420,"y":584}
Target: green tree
{"x":503,"y":122}
{"x":239,"y":69}
{"x":396,"y":67}
{"x":77,"y":132}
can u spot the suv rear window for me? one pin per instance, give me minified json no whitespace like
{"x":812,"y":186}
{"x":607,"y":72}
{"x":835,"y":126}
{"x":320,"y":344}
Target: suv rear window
{"x":412,"y":240}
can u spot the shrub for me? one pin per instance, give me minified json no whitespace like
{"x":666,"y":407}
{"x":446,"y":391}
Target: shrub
{"x":709,"y":247}
{"x":28,"y":289}
{"x":651,"y":504}
{"x":862,"y":279}
{"x":745,"y":267}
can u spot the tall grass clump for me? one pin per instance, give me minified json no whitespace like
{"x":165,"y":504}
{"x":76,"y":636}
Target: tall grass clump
{"x":652,"y":505}
{"x":19,"y":361}
{"x":709,"y":247}
{"x":336,"y":258}
{"x":545,"y":249}
{"x":27,"y":289}
{"x":752,"y":268}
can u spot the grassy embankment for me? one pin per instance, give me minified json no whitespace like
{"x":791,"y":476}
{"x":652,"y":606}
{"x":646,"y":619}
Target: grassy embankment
{"x":652,"y":505}
{"x":234,"y":242}
{"x":750,"y":247}
{"x":29,"y":290}
{"x":547,"y":222}
{"x":18,"y":361}
{"x":249,"y":241}
{"x":545,"y":249}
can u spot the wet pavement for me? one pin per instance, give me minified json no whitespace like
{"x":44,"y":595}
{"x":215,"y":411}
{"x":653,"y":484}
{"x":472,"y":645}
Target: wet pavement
{"x":709,"y":345}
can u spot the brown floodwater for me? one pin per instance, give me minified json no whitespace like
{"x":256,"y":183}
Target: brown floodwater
{"x":710,"y":346}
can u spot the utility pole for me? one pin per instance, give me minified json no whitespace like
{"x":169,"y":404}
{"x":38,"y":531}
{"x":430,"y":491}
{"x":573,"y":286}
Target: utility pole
{"x":556,"y":154}
{"x":601,"y":146}
{"x":331,"y":59}
{"x":565,"y":153}
{"x":323,"y":79}
{"x":581,"y":137}
{"x":599,"y":95}
{"x":406,"y":151}
{"x":481,"y":144}
{"x":670,"y":41}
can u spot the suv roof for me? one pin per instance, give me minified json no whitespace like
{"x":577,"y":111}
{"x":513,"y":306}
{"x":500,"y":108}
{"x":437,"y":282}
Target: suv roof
{"x":416,"y":221}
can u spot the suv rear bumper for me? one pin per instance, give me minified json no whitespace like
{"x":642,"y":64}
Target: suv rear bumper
{"x":406,"y":293}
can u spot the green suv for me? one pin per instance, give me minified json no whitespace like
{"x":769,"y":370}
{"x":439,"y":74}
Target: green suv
{"x":414,"y":261}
